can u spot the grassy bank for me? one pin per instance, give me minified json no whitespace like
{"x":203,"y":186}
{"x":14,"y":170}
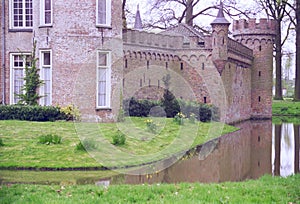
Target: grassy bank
{"x":265,"y":190}
{"x":22,"y":148}
{"x":286,"y":108}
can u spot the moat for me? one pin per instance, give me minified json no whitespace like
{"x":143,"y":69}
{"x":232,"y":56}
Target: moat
{"x":258,"y":148}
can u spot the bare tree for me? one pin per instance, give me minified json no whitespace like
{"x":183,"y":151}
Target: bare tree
{"x":123,"y":14}
{"x":297,"y":82}
{"x":295,"y":20}
{"x":173,"y":12}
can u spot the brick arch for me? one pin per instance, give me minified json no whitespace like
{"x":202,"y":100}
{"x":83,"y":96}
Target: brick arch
{"x":149,"y":56}
{"x":184,"y":58}
{"x":202,"y":58}
{"x":193,"y":57}
{"x":163,"y":57}
{"x":135,"y":54}
{"x":153,"y":55}
{"x":158,"y":56}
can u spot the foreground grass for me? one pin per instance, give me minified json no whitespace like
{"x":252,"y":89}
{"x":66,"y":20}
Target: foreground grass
{"x":23,"y":150}
{"x":286,"y":108}
{"x":268,"y":189}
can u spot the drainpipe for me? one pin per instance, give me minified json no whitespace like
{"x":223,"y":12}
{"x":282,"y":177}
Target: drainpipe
{"x":3,"y":51}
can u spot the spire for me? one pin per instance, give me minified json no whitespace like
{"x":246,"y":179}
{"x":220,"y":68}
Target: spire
{"x":220,"y":19}
{"x":138,"y":21}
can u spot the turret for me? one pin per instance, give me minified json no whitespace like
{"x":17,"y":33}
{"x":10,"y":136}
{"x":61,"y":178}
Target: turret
{"x":259,"y":37}
{"x":220,"y":40}
{"x":138,"y":20}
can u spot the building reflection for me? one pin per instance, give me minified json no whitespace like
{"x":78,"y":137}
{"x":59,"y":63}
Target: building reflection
{"x":244,"y":154}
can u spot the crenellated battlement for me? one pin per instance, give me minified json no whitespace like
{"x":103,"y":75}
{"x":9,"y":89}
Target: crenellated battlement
{"x":152,"y":39}
{"x":254,"y":27}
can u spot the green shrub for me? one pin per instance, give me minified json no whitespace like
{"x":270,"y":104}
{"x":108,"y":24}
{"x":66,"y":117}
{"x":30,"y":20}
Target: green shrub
{"x":202,"y":112}
{"x":80,"y":147}
{"x":170,"y":104}
{"x":192,"y":118}
{"x":1,"y":142}
{"x":151,"y":126}
{"x":50,"y":138}
{"x":31,"y":113}
{"x":179,"y":118}
{"x":138,"y":108}
{"x":71,"y":112}
{"x":118,"y":138}
{"x":86,"y":145}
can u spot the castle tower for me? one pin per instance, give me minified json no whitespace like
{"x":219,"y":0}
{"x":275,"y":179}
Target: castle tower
{"x":138,"y":20}
{"x":220,"y":40}
{"x":259,"y":37}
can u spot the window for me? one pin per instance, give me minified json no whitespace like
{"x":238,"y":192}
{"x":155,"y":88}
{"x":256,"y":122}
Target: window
{"x":103,"y":79}
{"x":17,"y":70}
{"x":46,"y":76}
{"x":20,"y":14}
{"x":46,"y":12}
{"x":103,"y":13}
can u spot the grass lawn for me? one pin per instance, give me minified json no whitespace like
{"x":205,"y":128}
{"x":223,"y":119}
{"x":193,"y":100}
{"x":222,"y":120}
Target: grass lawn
{"x":267,"y":189}
{"x":286,"y":108}
{"x":21,"y":147}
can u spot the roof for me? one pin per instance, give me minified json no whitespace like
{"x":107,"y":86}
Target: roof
{"x":220,"y":19}
{"x":138,"y":25}
{"x":183,"y":29}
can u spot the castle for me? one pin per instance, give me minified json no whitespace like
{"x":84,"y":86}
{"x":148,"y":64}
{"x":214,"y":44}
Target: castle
{"x":87,"y":59}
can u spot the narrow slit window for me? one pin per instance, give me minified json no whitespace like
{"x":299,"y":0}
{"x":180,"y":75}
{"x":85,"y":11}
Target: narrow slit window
{"x":181,"y":65}
{"x":126,"y":63}
{"x":204,"y":99}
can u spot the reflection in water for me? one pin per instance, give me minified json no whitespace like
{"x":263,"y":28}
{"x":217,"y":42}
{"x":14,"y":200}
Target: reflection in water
{"x":285,"y":149}
{"x":244,"y":154}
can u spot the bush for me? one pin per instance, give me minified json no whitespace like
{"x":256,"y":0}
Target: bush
{"x":86,"y":145}
{"x":151,"y":126}
{"x":118,"y":138}
{"x":200,"y":111}
{"x":179,"y":118}
{"x":71,"y":112}
{"x":170,"y":104}
{"x":138,"y":108}
{"x":50,"y":138}
{"x":1,"y":142}
{"x":31,"y":113}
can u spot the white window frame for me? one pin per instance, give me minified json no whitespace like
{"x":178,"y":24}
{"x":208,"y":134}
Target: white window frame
{"x":108,"y":80}
{"x":42,"y":76}
{"x":43,"y":13}
{"x":12,"y":74}
{"x":11,"y":15}
{"x":108,"y":14}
